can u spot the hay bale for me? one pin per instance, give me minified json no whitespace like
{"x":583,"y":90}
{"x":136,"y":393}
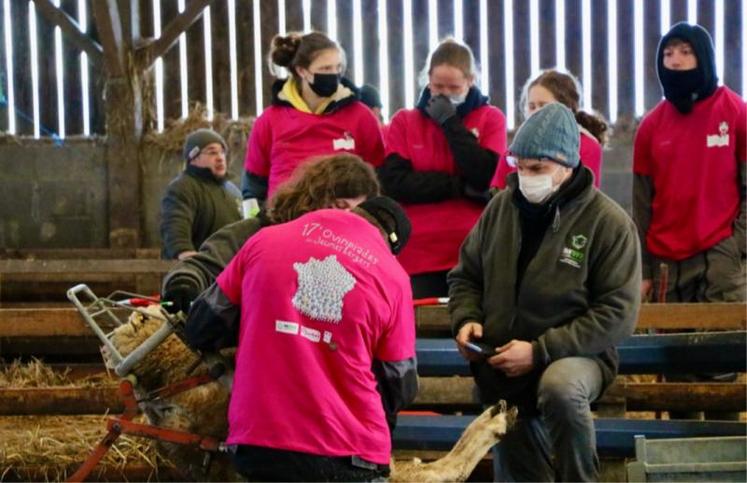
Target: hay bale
{"x":51,"y":447}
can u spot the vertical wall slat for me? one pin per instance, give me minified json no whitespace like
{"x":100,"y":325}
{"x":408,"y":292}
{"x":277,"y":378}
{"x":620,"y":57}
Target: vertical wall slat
{"x":345,"y":33}
{"x":651,"y":37}
{"x":573,"y":34}
{"x":679,"y":11}
{"x":625,"y":60}
{"x":172,"y":97}
{"x":269,"y":15}
{"x":319,"y":15}
{"x":196,"y":62}
{"x":599,"y":64}
{"x":733,"y":48}
{"x":370,"y":11}
{"x":293,"y":16}
{"x":221,"y":60}
{"x":4,"y":124}
{"x":496,"y":58}
{"x":396,"y":55}
{"x":420,"y":40}
{"x":245,"y":58}
{"x":445,"y":18}
{"x":547,"y":34}
{"x":522,"y":54}
{"x":471,"y":29}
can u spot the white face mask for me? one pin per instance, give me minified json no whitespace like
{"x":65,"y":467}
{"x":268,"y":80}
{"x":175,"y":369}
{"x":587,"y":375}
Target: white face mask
{"x":456,"y":100}
{"x":538,"y":188}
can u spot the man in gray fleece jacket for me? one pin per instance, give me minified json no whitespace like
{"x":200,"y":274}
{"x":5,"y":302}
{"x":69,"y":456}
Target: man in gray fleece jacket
{"x":547,"y":283}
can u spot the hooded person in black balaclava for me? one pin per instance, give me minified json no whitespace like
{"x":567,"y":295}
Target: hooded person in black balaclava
{"x":689,"y":181}
{"x":684,"y":88}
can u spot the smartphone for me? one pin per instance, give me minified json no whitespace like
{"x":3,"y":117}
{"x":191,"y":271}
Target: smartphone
{"x":481,"y":348}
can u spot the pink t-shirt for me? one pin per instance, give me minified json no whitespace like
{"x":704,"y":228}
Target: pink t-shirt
{"x":321,"y":297}
{"x":438,"y":229}
{"x":590,"y":152}
{"x":283,"y":137}
{"x":692,"y":160}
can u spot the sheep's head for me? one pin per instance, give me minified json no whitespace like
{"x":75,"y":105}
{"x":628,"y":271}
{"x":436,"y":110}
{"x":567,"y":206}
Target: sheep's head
{"x":169,"y":362}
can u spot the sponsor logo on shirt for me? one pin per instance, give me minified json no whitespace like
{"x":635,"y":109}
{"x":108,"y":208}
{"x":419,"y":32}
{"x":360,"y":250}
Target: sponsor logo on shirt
{"x":285,"y":327}
{"x":721,"y":139}
{"x":312,"y":334}
{"x":574,"y":254}
{"x":346,"y":142}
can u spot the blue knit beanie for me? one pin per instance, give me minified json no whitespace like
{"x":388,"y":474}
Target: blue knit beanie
{"x":551,"y":132}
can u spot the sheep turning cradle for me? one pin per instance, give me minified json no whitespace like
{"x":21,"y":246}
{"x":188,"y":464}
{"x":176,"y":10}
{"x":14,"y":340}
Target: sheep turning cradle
{"x":202,"y":410}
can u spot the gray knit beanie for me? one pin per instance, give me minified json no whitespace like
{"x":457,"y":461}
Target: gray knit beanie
{"x":551,"y":132}
{"x":197,"y":140}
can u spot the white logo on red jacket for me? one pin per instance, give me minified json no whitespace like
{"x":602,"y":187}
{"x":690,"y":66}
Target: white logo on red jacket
{"x":721,"y":139}
{"x":346,"y":142}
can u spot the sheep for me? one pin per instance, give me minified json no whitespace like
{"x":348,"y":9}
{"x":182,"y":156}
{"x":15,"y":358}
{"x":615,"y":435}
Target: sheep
{"x":202,"y":410}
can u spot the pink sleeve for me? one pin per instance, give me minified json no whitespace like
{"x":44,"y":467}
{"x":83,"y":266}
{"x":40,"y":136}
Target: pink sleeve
{"x":503,"y":170}
{"x":590,"y":152}
{"x":493,"y":131}
{"x":397,"y":341}
{"x":372,"y":141}
{"x":396,"y":136}
{"x":742,"y":133}
{"x":642,"y":149}
{"x":231,"y":277}
{"x":259,"y":146}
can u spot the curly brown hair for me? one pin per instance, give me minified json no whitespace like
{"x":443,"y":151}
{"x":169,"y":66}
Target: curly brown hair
{"x":319,"y":183}
{"x":566,"y":90}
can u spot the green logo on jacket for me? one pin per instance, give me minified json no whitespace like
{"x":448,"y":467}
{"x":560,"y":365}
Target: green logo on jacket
{"x":574,"y":256}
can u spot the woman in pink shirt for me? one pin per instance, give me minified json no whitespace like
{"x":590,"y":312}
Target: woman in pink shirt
{"x":556,"y":86}
{"x":440,"y":159}
{"x":315,"y":111}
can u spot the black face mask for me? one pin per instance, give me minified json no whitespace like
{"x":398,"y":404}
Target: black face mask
{"x":681,"y":87}
{"x":325,"y":85}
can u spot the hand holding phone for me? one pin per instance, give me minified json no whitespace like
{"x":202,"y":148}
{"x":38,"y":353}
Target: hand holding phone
{"x":481,"y":348}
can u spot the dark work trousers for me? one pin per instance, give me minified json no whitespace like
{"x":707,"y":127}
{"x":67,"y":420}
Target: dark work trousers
{"x":559,"y":443}
{"x":268,"y":464}
{"x":715,"y":275}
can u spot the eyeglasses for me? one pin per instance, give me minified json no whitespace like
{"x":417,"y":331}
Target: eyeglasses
{"x":513,"y":160}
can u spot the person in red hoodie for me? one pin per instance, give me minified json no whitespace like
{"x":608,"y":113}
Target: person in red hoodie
{"x":440,"y":159}
{"x":689,"y":183}
{"x":315,"y":111}
{"x":556,"y":86}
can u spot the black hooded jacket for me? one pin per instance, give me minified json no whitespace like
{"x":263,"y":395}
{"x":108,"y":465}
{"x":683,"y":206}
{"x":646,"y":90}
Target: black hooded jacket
{"x":685,"y":88}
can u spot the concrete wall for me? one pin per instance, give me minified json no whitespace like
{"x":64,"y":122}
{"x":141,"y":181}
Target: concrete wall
{"x":56,"y":196}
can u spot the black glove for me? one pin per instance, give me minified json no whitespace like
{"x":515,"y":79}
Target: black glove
{"x":440,"y":109}
{"x":180,"y":296}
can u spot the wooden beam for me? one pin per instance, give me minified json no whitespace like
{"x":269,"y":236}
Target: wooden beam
{"x":169,"y":35}
{"x":458,"y":392}
{"x":42,"y":323}
{"x":434,"y":319}
{"x":82,"y":253}
{"x":8,"y":268}
{"x":71,"y":28}
{"x":727,"y":316}
{"x":60,"y":400}
{"x":109,"y":27}
{"x":128,"y":472}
